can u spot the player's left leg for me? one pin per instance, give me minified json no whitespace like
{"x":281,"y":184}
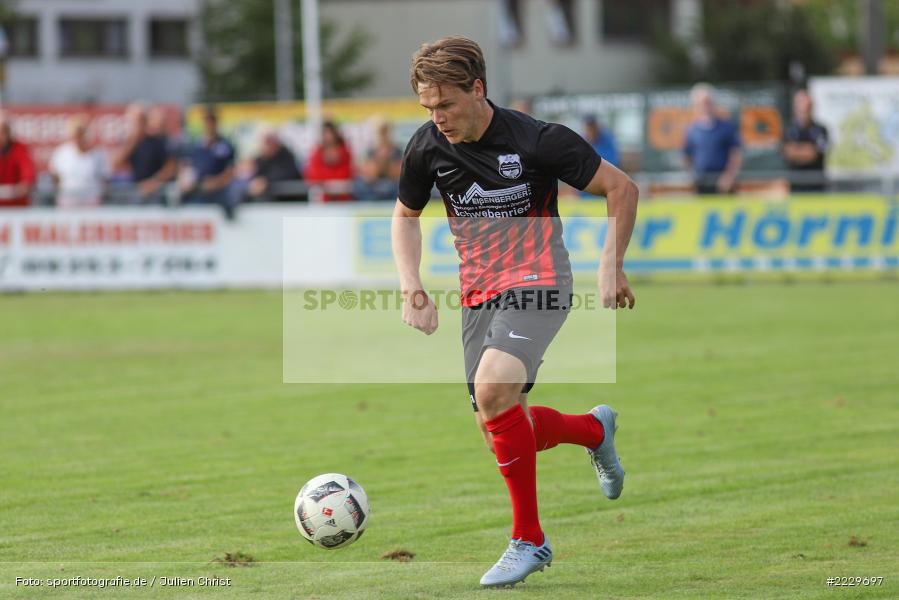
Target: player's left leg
{"x":552,"y":427}
{"x":595,"y":431}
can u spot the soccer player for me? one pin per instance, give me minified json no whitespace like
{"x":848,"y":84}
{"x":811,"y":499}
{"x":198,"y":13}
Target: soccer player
{"x":493,"y":166}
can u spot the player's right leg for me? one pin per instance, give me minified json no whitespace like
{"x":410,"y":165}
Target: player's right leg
{"x":498,"y":384}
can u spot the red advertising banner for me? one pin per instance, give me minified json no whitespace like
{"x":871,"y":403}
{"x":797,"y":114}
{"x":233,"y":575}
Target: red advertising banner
{"x":42,"y":128}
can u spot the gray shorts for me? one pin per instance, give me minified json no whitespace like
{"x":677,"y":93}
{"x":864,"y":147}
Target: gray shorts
{"x":520,"y":321}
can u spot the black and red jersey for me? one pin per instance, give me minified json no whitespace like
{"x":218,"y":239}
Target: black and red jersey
{"x":488,"y":185}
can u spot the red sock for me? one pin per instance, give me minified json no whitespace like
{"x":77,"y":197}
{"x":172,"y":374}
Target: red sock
{"x":552,"y":428}
{"x":513,"y":443}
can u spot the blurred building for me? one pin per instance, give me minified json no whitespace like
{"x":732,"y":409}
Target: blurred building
{"x":532,"y":46}
{"x":105,"y":51}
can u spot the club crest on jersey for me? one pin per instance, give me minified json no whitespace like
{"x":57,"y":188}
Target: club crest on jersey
{"x":509,"y":165}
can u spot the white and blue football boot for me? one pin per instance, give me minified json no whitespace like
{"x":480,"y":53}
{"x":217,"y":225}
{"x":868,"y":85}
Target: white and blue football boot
{"x":604,"y":458}
{"x":518,"y":561}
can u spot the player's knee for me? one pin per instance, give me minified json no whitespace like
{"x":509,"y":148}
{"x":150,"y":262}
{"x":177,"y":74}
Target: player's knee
{"x":494,"y":398}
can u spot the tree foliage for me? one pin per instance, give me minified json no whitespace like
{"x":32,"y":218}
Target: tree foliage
{"x":7,"y":11}
{"x":746,"y":40}
{"x":237,"y":61}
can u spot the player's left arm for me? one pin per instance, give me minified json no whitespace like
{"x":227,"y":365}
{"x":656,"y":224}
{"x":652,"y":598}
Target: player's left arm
{"x":621,"y":200}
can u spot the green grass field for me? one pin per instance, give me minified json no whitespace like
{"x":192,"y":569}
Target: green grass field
{"x":146,"y":435}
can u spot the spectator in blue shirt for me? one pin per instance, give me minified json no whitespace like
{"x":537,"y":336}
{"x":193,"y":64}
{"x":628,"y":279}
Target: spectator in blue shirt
{"x":712,"y":150}
{"x":602,"y":140}
{"x":603,"y":143}
{"x":208,"y":170}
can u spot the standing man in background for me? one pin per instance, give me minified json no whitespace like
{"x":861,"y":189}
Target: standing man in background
{"x":712,"y":150}
{"x":805,"y":146}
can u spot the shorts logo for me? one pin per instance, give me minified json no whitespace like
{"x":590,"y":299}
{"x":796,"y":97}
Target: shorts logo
{"x":509,"y":165}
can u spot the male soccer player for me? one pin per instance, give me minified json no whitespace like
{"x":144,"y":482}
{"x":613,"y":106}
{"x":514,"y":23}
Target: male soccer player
{"x":493,"y":166}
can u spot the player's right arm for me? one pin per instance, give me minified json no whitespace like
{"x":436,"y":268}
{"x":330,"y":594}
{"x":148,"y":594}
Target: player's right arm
{"x":418,"y":309}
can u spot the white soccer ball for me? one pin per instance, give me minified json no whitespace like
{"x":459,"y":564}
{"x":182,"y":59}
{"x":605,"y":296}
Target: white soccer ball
{"x":331,"y":511}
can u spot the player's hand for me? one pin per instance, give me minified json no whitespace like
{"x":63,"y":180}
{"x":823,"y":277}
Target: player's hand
{"x":614,"y":289}
{"x":419,"y":311}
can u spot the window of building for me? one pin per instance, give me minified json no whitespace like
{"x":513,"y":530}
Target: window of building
{"x":21,"y":37}
{"x":562,"y":22}
{"x":511,"y":28}
{"x":93,"y":38}
{"x":634,"y":20}
{"x":168,"y":38}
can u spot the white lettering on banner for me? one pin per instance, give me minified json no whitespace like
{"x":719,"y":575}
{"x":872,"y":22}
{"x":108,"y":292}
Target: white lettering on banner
{"x":110,"y":249}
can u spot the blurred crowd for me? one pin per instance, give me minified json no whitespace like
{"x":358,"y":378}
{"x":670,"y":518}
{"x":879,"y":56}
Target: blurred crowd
{"x":151,"y":166}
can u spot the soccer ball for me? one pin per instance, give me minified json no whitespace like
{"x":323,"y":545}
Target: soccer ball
{"x":331,"y":511}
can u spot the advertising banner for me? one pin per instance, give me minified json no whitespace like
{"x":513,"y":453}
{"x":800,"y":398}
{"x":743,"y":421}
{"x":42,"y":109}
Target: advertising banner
{"x":297,"y":246}
{"x":862,"y":119}
{"x":812,"y":235}
{"x":43,"y":128}
{"x":109,"y":249}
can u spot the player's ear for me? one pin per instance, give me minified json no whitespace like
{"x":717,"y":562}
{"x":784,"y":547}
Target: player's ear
{"x":478,"y":88}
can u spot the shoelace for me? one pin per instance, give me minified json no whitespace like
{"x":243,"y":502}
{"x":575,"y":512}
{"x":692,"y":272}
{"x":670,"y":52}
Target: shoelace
{"x":594,"y":456}
{"x":511,"y":556}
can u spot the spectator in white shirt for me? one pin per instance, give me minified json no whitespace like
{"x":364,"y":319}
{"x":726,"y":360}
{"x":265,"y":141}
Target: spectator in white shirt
{"x":79,"y":170}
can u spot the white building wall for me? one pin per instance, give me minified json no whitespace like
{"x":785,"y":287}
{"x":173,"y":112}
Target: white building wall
{"x":51,"y":79}
{"x":537,"y":66}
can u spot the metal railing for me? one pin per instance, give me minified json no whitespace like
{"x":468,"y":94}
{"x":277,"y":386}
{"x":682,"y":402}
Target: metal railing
{"x":774,"y":184}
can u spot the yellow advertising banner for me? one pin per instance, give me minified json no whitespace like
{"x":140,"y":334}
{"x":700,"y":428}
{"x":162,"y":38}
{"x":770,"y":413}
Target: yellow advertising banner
{"x":826,"y":234}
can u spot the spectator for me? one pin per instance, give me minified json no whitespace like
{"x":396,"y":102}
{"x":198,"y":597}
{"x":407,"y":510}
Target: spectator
{"x":146,"y":156}
{"x":16,"y":169}
{"x":805,"y":146}
{"x":208,"y":169}
{"x":380,"y":173}
{"x":602,"y":140}
{"x":331,"y":163}
{"x":712,"y":150}
{"x":78,"y":169}
{"x":522,"y":105}
{"x":275,"y":163}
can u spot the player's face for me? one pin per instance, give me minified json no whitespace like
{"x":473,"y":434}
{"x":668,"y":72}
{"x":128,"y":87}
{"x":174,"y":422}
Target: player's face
{"x":452,"y":110}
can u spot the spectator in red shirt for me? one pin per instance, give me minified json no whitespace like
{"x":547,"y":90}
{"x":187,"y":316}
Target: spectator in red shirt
{"x":16,"y":169}
{"x":331,"y":163}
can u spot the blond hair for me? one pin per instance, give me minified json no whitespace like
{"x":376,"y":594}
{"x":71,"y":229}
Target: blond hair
{"x":452,"y":60}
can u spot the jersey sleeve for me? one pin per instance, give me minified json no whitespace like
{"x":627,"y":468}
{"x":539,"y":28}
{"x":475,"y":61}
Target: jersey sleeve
{"x":415,"y":180}
{"x":567,"y":155}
